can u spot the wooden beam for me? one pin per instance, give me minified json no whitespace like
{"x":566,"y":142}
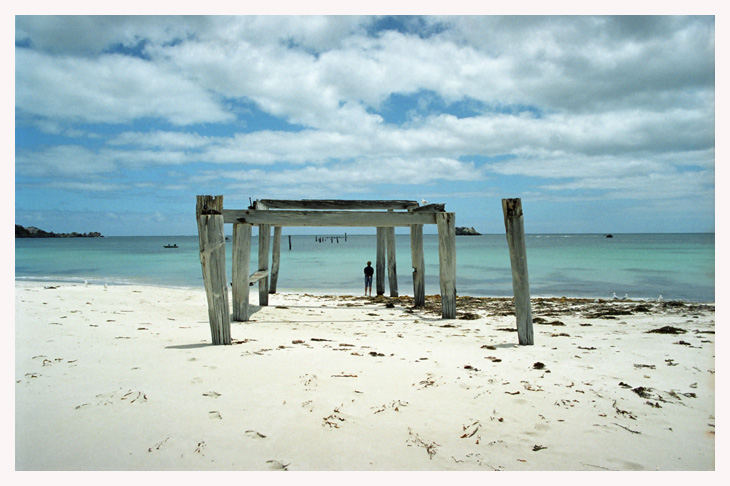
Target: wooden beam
{"x":380,"y":261}
{"x":264,"y":239}
{"x":257,"y":276}
{"x":332,"y":204}
{"x":419,"y":287}
{"x":447,"y":263}
{"x":390,"y":251}
{"x":241,"y":264}
{"x":327,"y":218}
{"x":430,"y":208}
{"x":213,"y":262}
{"x":515,"y":230}
{"x":275,"y":254}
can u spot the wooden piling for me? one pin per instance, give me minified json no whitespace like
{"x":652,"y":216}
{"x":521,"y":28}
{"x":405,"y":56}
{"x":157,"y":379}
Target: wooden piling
{"x":264,"y":239}
{"x":276,"y":251}
{"x":515,"y":230}
{"x":209,"y":215}
{"x":380,"y":261}
{"x":289,"y":242}
{"x":447,"y":263}
{"x":390,"y":251}
{"x":419,"y":287}
{"x":241,"y":268}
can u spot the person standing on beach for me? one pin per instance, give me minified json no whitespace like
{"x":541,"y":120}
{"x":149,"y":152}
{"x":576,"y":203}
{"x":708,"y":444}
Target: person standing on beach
{"x":369,"y":279}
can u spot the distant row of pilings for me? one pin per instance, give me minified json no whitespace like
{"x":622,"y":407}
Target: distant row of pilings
{"x":330,"y":239}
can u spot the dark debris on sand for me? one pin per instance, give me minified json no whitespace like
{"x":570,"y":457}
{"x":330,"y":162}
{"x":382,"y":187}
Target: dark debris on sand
{"x":667,"y":330}
{"x":542,"y":307}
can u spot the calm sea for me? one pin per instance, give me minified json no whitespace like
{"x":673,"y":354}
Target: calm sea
{"x":675,"y":266}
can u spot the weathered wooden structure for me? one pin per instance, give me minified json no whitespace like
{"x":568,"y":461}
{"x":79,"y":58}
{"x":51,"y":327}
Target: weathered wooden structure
{"x":265,"y":213}
{"x":383,"y":215}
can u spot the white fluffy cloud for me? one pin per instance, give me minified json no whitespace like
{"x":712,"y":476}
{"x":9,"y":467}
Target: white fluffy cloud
{"x":595,"y":106}
{"x":110,"y":89}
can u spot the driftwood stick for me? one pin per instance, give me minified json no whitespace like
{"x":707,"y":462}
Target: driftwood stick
{"x":515,"y":230}
{"x":209,"y":214}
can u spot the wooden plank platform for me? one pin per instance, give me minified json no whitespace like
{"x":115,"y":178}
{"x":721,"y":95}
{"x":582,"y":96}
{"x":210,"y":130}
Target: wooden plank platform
{"x":333,"y":204}
{"x":327,"y":218}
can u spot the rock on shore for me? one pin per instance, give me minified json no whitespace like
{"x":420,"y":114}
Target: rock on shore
{"x":463,"y":230}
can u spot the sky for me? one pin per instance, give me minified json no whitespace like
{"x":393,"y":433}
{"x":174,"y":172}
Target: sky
{"x":601,"y":124}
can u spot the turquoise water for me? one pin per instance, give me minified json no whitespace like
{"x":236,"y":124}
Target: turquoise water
{"x":675,"y":266}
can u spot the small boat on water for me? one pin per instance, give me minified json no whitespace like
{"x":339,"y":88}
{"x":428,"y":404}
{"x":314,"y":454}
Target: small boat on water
{"x":170,"y":246}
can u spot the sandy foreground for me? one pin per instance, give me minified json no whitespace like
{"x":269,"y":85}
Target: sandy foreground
{"x":125,"y":378}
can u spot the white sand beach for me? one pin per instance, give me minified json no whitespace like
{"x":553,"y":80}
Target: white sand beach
{"x":125,"y":378}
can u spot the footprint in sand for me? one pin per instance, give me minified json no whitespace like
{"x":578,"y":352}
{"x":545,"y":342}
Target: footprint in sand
{"x":275,"y":465}
{"x":215,"y":415}
{"x":212,"y":394}
{"x":200,"y":446}
{"x":254,"y":434}
{"x":131,"y":397}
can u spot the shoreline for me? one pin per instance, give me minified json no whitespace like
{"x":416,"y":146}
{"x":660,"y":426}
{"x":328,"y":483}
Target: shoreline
{"x":125,"y":378}
{"x":54,"y":280}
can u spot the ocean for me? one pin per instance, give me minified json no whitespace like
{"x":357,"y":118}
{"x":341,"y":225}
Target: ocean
{"x":640,"y":266}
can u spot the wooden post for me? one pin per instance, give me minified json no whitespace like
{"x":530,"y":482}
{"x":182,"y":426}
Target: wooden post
{"x":241,"y":264}
{"x":276,"y":250}
{"x":390,"y":250}
{"x":380,"y":261}
{"x":514,"y":227}
{"x":209,"y":213}
{"x":419,"y":286}
{"x":447,"y":263}
{"x":264,"y":238}
{"x":289,"y":242}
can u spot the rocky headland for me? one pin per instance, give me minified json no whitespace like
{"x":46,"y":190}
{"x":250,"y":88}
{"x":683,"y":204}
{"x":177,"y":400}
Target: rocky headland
{"x":33,"y":232}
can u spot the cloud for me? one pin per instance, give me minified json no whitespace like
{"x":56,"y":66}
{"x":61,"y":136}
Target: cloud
{"x":161,"y":140}
{"x":61,"y":160}
{"x":85,"y":186}
{"x":110,"y":89}
{"x":670,"y":184}
{"x":92,"y":35}
{"x":355,"y":177}
{"x":553,"y":108}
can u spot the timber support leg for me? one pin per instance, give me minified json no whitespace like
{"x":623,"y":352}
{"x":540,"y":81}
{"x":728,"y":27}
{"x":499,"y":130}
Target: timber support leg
{"x":241,"y":264}
{"x":419,"y":287}
{"x":264,"y":239}
{"x":275,"y":255}
{"x":447,"y":263}
{"x":392,"y":272}
{"x":515,"y":230}
{"x":380,"y":261}
{"x":209,"y":213}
